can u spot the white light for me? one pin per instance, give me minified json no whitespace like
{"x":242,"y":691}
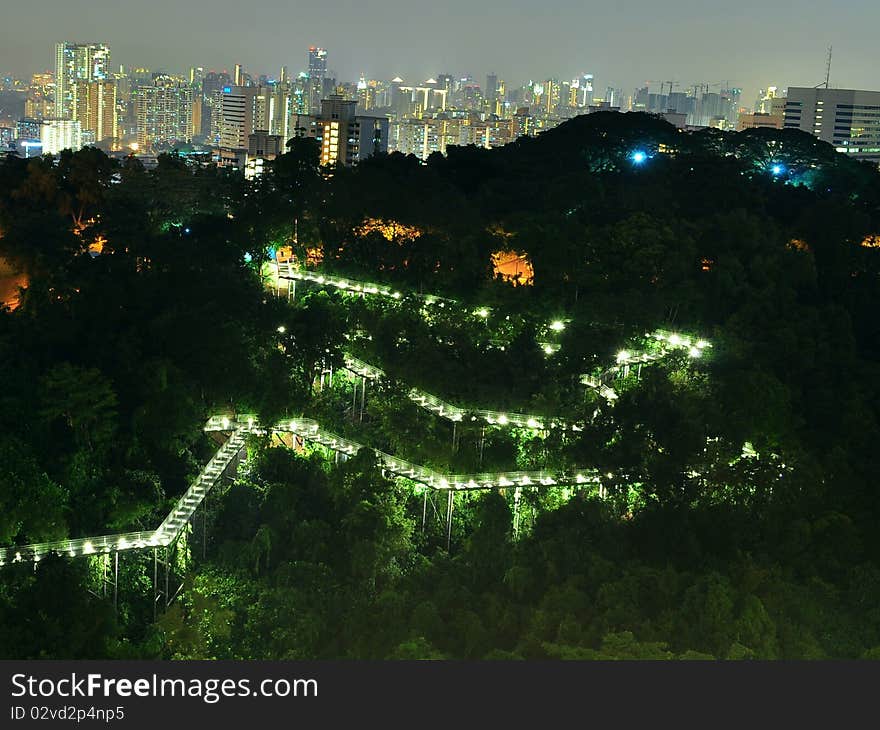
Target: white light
{"x":674,"y":340}
{"x":694,"y":352}
{"x":502,"y":419}
{"x":225,"y":422}
{"x":623,"y":356}
{"x":702,"y":343}
{"x":532,"y":423}
{"x":548,"y":349}
{"x":88,"y":548}
{"x":483,"y":312}
{"x":444,"y":484}
{"x":557,"y":326}
{"x":396,"y":295}
{"x":281,"y":330}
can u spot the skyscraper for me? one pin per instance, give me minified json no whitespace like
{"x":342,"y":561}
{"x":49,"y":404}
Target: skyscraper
{"x":317,"y":74}
{"x":94,"y":107}
{"x":491,"y":92}
{"x":164,"y":112}
{"x":237,"y":112}
{"x":77,"y":62}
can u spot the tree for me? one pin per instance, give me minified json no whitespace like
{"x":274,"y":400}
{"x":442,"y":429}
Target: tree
{"x":84,"y":399}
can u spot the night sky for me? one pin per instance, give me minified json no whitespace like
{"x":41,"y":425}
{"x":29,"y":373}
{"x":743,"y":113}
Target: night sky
{"x":623,"y":43}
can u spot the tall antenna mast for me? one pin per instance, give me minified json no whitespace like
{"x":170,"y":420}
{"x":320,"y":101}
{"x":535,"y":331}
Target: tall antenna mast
{"x":828,"y":68}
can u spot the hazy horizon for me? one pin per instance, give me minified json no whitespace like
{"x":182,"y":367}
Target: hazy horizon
{"x":749,"y":45}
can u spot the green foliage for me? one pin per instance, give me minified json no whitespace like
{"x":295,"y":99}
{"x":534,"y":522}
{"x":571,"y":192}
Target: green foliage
{"x":704,"y":548}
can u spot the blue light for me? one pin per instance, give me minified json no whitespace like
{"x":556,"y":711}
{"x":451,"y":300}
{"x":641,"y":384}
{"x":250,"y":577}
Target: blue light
{"x":186,"y":230}
{"x":638,"y":157}
{"x":248,"y":258}
{"x":777,"y":169}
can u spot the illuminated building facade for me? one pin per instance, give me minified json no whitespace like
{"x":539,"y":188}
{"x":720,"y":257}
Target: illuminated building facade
{"x":164,"y":111}
{"x":94,"y":107}
{"x":846,"y":118}
{"x":345,"y":137}
{"x":77,"y":62}
{"x":60,"y":134}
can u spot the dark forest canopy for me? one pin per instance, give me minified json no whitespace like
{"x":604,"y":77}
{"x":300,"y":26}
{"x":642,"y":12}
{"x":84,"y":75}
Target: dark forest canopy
{"x":146,"y":313}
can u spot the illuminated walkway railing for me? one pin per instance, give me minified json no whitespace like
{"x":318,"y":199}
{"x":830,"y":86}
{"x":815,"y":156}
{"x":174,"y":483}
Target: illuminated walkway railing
{"x":163,"y":536}
{"x":291,"y":273}
{"x":311,"y":430}
{"x":667,"y":343}
{"x":452,"y":412}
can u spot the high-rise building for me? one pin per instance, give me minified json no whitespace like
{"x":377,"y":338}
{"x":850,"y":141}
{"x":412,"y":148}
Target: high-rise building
{"x":262,"y":147}
{"x":77,"y":62}
{"x":523,"y":123}
{"x":237,"y":107}
{"x":846,"y":118}
{"x":59,"y":134}
{"x":28,"y":128}
{"x":317,"y":74}
{"x":491,"y":92}
{"x":40,"y":101}
{"x":765,"y":97}
{"x":164,"y":112}
{"x":94,"y":107}
{"x":7,"y":137}
{"x":344,"y":136}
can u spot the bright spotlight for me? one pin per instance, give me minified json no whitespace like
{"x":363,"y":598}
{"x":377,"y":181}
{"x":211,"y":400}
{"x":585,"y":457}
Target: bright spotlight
{"x":638,"y":157}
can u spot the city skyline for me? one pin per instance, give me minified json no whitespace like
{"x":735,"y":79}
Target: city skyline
{"x":624,"y":46}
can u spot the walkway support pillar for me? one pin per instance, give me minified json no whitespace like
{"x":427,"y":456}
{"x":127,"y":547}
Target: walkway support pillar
{"x":517,"y":494}
{"x":450,"y":498}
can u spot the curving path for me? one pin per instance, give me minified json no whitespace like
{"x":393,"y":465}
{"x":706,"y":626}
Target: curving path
{"x":240,"y":427}
{"x":308,"y":429}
